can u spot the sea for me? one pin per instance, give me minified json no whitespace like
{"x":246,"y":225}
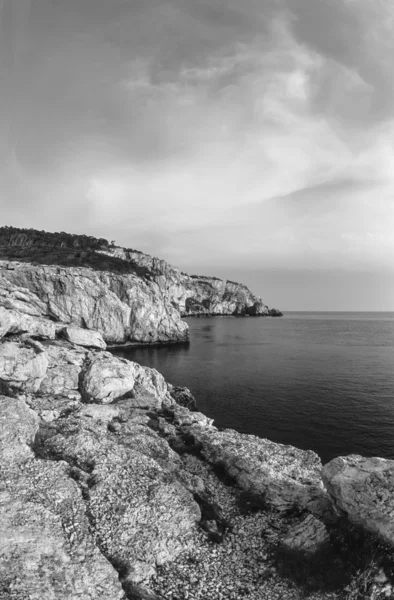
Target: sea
{"x":322,"y":381}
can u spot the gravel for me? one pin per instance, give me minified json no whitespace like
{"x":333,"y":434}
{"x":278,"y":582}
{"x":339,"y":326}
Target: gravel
{"x":241,"y":566}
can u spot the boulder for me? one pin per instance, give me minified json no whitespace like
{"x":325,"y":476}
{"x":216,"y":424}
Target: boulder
{"x":363,"y":489}
{"x":64,"y":366}
{"x":23,"y":364}
{"x":106,"y":378}
{"x":149,"y":382}
{"x":310,"y":537}
{"x":182,"y":396}
{"x":84,"y":337}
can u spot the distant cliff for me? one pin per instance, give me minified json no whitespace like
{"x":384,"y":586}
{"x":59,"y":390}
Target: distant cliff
{"x":129,"y":296}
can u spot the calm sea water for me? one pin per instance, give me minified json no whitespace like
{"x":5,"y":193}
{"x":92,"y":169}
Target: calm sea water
{"x":320,"y":381}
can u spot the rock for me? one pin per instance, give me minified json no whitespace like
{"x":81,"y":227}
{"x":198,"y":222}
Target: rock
{"x":84,"y":337}
{"x":184,"y":417}
{"x":12,"y":321}
{"x":213,"y":296}
{"x":182,"y":396}
{"x":5,"y":321}
{"x":363,"y":489}
{"x":16,"y":297}
{"x":281,"y":477}
{"x":142,"y":515}
{"x":105,"y":413}
{"x":18,"y":427}
{"x":37,"y":560}
{"x":50,"y":408}
{"x":106,"y":378}
{"x":64,"y":366}
{"x":309,"y":537}
{"x":47,"y":551}
{"x":23,"y":365}
{"x":149,"y":382}
{"x":274,"y":312}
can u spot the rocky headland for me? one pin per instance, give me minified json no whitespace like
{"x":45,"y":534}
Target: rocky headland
{"x":128,"y":296}
{"x":113,"y":486}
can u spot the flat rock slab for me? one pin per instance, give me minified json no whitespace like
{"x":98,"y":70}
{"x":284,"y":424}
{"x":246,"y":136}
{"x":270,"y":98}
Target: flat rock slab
{"x":23,"y":365}
{"x":363,"y":488}
{"x":283,"y":477}
{"x":13,"y":321}
{"x":84,"y":337}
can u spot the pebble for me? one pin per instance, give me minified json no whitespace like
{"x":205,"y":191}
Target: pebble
{"x":240,"y":566}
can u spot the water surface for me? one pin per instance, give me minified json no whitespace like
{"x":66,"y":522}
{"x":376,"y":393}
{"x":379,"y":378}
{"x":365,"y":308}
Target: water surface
{"x":320,"y":381}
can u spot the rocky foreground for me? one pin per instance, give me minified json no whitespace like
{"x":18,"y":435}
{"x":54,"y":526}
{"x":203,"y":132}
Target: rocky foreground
{"x":114,"y":487}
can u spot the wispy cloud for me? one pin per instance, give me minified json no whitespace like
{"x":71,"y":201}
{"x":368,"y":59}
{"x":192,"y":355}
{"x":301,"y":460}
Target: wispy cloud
{"x":243,"y":133}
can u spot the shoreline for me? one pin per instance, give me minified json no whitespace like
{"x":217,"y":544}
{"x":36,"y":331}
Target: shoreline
{"x":166,"y":506}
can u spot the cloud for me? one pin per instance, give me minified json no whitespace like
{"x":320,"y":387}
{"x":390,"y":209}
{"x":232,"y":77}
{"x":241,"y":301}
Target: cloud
{"x":359,"y":37}
{"x":254,"y":133}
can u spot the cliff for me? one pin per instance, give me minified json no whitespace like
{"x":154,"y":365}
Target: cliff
{"x":111,"y":487}
{"x":128,"y":296}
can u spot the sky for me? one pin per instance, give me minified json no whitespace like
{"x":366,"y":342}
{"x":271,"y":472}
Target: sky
{"x":251,"y":140}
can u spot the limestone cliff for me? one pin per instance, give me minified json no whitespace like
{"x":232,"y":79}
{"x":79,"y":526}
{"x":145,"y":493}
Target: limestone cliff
{"x":128,"y":296}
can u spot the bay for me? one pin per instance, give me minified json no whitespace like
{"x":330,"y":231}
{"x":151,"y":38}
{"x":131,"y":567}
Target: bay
{"x":319,"y":381}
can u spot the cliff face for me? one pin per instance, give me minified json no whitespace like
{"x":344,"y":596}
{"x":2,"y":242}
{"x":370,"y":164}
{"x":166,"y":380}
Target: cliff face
{"x":128,"y":296}
{"x":193,"y":294}
{"x":123,"y":308}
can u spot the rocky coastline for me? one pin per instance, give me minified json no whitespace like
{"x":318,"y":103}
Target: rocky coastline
{"x":114,"y":486}
{"x":129,"y":296}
